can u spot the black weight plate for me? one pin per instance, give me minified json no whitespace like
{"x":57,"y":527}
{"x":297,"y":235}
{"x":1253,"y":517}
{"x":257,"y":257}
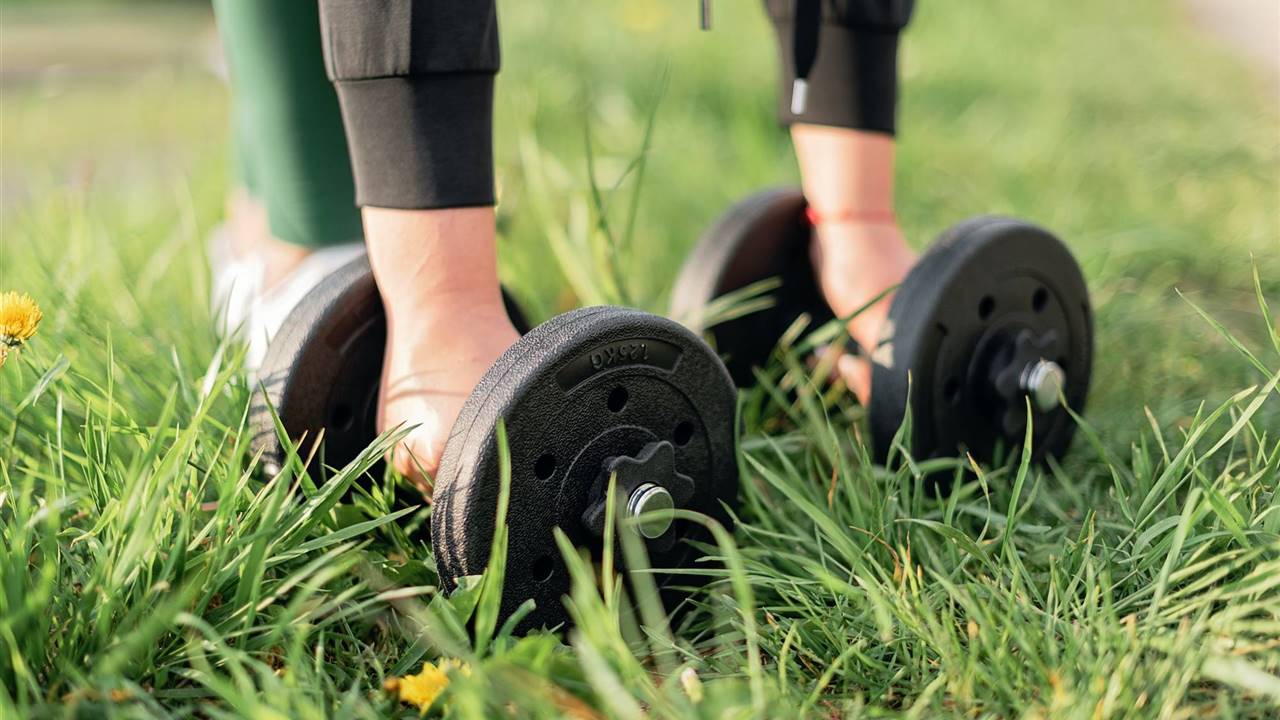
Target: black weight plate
{"x":764,"y":236}
{"x":983,"y":282}
{"x":322,"y":369}
{"x":591,"y":384}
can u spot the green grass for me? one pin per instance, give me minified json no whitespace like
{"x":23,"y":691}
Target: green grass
{"x":148,"y":568}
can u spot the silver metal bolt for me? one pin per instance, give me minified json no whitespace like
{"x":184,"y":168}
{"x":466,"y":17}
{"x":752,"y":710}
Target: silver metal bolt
{"x":652,"y":500}
{"x":1043,"y":382}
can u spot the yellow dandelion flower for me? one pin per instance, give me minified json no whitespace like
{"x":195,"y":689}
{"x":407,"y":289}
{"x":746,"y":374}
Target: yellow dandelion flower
{"x":19,"y":318}
{"x":424,"y":688}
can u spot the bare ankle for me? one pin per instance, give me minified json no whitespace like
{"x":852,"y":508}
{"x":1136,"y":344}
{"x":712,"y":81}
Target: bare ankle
{"x":250,"y":233}
{"x":847,"y":174}
{"x":440,"y":262}
{"x":280,"y":259}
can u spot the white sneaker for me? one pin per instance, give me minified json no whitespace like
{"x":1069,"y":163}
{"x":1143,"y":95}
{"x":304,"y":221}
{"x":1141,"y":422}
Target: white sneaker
{"x":243,"y":309}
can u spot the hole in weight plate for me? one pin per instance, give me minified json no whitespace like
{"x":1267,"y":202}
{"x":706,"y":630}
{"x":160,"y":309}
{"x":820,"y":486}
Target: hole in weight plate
{"x":951,"y":391}
{"x":542,"y":568}
{"x":618,"y":399}
{"x":340,"y":417}
{"x":986,"y":306}
{"x":545,"y":466}
{"x":683,"y":433}
{"x":1039,"y":299}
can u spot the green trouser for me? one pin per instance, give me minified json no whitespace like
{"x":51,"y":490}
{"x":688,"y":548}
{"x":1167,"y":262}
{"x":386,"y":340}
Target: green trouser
{"x":290,"y":150}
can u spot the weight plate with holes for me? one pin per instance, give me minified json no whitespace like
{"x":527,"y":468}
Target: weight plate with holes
{"x":969,"y":385}
{"x":762,"y":237}
{"x":593,"y":392}
{"x":322,"y":369}
{"x":996,"y":313}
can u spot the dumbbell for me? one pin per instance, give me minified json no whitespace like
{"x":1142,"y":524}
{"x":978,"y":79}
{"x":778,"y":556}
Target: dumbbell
{"x":593,"y":394}
{"x":994,"y":317}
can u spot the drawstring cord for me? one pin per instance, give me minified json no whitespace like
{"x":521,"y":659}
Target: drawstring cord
{"x":804,"y":46}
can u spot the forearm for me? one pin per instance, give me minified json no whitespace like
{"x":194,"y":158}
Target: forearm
{"x":415,"y":83}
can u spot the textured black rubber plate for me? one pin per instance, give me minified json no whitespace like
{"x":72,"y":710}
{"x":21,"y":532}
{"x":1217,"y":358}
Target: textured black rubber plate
{"x":322,"y":369}
{"x":764,"y":236}
{"x":958,"y":321}
{"x":584,"y":387}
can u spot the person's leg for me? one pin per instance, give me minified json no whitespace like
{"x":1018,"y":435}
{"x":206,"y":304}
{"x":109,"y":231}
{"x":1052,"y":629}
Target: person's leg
{"x":860,"y":252}
{"x":843,"y":130}
{"x":295,"y":186}
{"x":438,"y":275}
{"x":416,"y":90}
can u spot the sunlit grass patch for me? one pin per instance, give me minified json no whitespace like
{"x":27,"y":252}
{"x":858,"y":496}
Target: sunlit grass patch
{"x":150,"y":567}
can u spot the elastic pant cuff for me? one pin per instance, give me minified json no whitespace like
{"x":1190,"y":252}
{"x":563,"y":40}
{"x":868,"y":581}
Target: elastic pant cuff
{"x":853,"y":83}
{"x":420,"y":142}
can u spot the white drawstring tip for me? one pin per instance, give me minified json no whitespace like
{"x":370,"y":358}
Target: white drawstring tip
{"x":799,"y":96}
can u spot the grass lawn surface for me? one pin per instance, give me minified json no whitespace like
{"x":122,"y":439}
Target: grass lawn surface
{"x":150,"y":568}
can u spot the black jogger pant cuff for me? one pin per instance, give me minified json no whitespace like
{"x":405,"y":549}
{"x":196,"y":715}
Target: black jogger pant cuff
{"x":847,"y":51}
{"x":421,"y":141}
{"x":853,"y":82}
{"x":415,"y":84}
